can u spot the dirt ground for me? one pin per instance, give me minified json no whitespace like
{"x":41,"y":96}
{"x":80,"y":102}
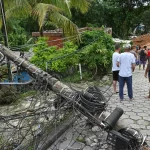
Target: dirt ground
{"x":143,"y":40}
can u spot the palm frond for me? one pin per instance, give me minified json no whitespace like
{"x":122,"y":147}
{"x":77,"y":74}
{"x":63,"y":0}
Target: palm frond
{"x":62,"y":4}
{"x":22,"y":3}
{"x":69,"y":28}
{"x":8,"y":4}
{"x":18,"y":8}
{"x":41,"y":11}
{"x":82,"y":5}
{"x":18,"y":12}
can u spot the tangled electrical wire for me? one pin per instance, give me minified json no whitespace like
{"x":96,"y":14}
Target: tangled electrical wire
{"x":28,"y":124}
{"x":91,"y":102}
{"x":21,"y":122}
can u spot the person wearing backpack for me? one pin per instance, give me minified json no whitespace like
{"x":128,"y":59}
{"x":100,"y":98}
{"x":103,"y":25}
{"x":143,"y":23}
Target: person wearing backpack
{"x":143,"y":57}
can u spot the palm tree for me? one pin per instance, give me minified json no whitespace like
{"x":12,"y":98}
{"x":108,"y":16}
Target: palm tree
{"x":54,"y":11}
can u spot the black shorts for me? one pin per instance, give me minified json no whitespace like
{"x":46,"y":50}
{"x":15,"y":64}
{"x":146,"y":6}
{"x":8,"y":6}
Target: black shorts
{"x":116,"y":75}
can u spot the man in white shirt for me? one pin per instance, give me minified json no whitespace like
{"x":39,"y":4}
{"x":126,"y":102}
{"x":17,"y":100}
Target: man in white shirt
{"x":126,"y":62}
{"x":115,"y":68}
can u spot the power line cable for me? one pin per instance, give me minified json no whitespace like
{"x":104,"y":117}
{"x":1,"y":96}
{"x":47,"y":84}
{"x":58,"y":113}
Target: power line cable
{"x":29,"y":45}
{"x":76,"y":51}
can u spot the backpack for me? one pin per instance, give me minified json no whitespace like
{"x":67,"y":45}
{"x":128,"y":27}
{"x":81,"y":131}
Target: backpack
{"x":142,"y":53}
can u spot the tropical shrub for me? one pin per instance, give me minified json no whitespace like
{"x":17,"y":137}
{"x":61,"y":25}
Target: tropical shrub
{"x":94,"y":54}
{"x":17,"y":39}
{"x":58,"y":60}
{"x":90,"y":37}
{"x":97,"y":50}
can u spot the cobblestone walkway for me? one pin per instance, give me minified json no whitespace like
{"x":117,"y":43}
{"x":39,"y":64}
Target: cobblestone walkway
{"x":136,"y":112}
{"x":136,"y":115}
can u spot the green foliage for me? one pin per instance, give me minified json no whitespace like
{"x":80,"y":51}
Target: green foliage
{"x":26,"y":94}
{"x":146,"y":20}
{"x":53,"y":56}
{"x":122,"y":15}
{"x":8,"y":94}
{"x":16,"y":33}
{"x":80,"y":139}
{"x":89,"y":37}
{"x":58,"y":12}
{"x":87,"y":76}
{"x":94,"y":55}
{"x":3,"y":72}
{"x":30,"y":148}
{"x":1,"y":140}
{"x":94,"y":17}
{"x":131,"y":43}
{"x":97,"y":55}
{"x":17,"y":39}
{"x":125,"y":15}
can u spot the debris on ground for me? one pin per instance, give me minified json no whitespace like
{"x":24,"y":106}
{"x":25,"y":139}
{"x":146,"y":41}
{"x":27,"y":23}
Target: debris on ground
{"x":142,"y":40}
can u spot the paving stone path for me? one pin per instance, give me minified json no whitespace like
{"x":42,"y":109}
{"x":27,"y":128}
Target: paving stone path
{"x":136,"y":115}
{"x":136,"y":112}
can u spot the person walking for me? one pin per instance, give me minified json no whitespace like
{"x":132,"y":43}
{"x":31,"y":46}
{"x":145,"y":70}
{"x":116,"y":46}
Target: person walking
{"x":143,"y":57}
{"x":126,"y":62}
{"x":134,"y":53}
{"x":115,"y":68}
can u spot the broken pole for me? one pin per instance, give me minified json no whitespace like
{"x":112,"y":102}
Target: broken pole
{"x":54,"y":84}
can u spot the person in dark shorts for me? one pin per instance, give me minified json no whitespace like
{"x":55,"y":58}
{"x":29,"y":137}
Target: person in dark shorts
{"x":115,"y":75}
{"x":115,"y":69}
{"x":143,"y":57}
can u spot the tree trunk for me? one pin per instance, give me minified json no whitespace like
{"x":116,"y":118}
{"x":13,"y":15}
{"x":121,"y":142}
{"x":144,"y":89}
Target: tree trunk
{"x":41,"y":32}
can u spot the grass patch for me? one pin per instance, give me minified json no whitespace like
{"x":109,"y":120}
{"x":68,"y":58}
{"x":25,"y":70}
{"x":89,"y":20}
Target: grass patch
{"x":26,"y":94}
{"x":21,"y":96}
{"x":75,"y":78}
{"x":80,"y":139}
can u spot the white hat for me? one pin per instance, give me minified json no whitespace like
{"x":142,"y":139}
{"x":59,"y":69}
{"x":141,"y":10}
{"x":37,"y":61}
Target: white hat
{"x":127,"y":46}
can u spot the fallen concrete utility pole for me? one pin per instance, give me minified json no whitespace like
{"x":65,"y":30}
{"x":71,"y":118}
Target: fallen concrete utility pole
{"x":54,"y":84}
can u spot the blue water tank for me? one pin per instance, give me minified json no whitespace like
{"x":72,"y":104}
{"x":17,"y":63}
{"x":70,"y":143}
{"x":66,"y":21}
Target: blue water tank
{"x":23,"y":76}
